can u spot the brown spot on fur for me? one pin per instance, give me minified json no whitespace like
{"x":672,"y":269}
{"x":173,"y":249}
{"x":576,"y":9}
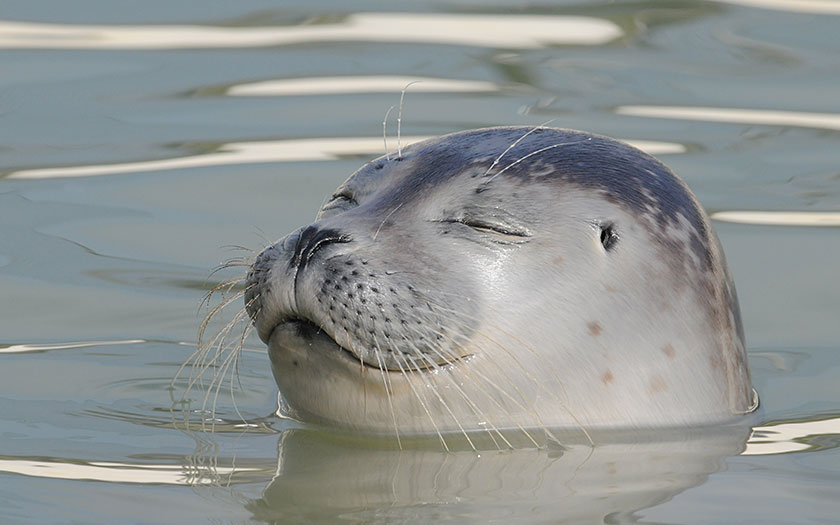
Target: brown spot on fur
{"x":717,"y":361}
{"x":607,"y":377}
{"x":657,"y":385}
{"x":594,"y":328}
{"x":669,"y":350}
{"x":610,"y":288}
{"x":558,"y":260}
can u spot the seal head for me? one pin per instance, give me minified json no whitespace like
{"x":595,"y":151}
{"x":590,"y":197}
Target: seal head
{"x":504,"y":278}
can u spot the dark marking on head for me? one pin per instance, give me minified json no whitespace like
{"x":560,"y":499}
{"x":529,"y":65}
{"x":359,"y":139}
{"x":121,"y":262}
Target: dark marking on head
{"x":669,"y":350}
{"x":594,"y":328}
{"x":619,"y":172}
{"x":607,"y":377}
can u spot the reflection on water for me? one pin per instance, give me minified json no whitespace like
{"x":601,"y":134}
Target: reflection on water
{"x":321,"y":478}
{"x":272,"y":151}
{"x":737,"y":116}
{"x":16,"y":349}
{"x":498,"y":31}
{"x":780,"y":218}
{"x":827,"y":7}
{"x":100,"y":277}
{"x":782,"y":438}
{"x":362,"y":84}
{"x":116,"y":472}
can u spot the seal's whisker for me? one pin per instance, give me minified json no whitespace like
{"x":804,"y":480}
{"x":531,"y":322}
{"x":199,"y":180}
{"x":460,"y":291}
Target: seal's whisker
{"x":399,"y":118}
{"x":470,"y":403}
{"x":409,"y":362}
{"x":421,"y":400}
{"x":542,"y":386}
{"x":218,"y":380}
{"x":517,"y":141}
{"x":385,"y":134}
{"x":386,"y":381}
{"x":224,"y":287}
{"x":219,"y":342}
{"x":197,"y":357}
{"x":216,"y":341}
{"x":521,"y":405}
{"x":517,"y":161}
{"x":203,"y":351}
{"x":530,"y":376}
{"x":233,"y":262}
{"x":231,"y":353}
{"x":237,"y":355}
{"x":238,"y":262}
{"x":500,"y":346}
{"x":385,"y":219}
{"x":239,"y":247}
{"x":514,"y":163}
{"x":216,"y":309}
{"x":533,"y":352}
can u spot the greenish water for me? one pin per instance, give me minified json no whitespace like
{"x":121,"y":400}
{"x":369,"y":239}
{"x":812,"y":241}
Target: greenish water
{"x":137,"y":141}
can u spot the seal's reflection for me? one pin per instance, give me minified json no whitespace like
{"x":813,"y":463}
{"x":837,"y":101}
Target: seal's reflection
{"x":326,"y":477}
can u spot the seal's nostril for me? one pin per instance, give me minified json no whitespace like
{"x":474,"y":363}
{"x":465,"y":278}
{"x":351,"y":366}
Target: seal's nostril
{"x":312,"y":239}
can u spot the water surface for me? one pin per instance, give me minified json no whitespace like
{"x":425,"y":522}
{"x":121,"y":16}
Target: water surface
{"x":138,"y":142}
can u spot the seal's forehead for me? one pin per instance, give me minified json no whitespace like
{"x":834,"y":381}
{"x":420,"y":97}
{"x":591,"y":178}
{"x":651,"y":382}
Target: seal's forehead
{"x":617,"y":171}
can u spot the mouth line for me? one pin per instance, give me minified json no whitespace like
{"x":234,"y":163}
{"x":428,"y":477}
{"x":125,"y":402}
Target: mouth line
{"x":307,"y":330}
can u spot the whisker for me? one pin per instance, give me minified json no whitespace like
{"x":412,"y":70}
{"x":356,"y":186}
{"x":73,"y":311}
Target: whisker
{"x":470,"y":403}
{"x":410,"y":361}
{"x":422,"y":402}
{"x":239,"y":247}
{"x":505,"y":393}
{"x":517,"y":141}
{"x":385,"y":219}
{"x":473,"y":406}
{"x":531,"y":377}
{"x":385,"y":133}
{"x":399,"y":118}
{"x":387,"y":382}
{"x":514,"y":163}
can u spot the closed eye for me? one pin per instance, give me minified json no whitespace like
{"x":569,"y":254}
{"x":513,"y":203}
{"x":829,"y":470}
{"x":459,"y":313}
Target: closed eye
{"x":343,"y":197}
{"x":486,"y":226}
{"x":340,"y":200}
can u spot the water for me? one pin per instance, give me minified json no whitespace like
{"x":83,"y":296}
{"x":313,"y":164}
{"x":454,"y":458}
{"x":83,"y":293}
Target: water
{"x":137,"y":142}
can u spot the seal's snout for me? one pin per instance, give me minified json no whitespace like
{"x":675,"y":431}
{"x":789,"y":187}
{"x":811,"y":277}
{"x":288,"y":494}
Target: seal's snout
{"x":256,"y":280}
{"x":272,"y":281}
{"x":311,"y":239}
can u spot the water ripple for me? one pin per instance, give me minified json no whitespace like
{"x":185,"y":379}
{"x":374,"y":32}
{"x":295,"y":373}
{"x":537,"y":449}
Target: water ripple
{"x":23,"y":348}
{"x":343,"y":85}
{"x":297,"y":150}
{"x":824,"y":7}
{"x":779,"y":218}
{"x":120,"y":472}
{"x":798,"y":436}
{"x":494,"y":31}
{"x":800,"y":119}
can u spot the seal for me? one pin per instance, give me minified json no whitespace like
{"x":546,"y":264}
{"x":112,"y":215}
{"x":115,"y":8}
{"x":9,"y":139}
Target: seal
{"x":504,"y":278}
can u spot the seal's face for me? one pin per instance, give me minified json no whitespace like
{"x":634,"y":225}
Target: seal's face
{"x":505,"y":277}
